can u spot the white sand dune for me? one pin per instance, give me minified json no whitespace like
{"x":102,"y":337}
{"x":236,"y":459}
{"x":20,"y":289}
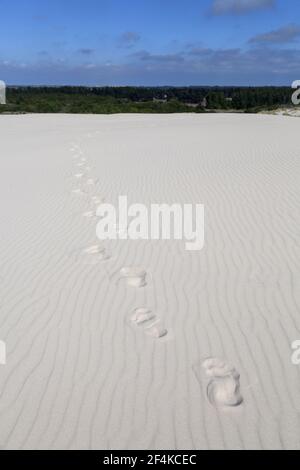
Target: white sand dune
{"x":291,"y":111}
{"x":107,"y":344}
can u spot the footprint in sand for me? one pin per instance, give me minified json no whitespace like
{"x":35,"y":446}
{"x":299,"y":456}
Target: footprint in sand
{"x":134,"y":276}
{"x":89,"y":214}
{"x":78,"y":191}
{"x":91,"y":181}
{"x":157,"y":330}
{"x":223,"y":389}
{"x":94,"y":249}
{"x":224,"y":392}
{"x":142,"y":317}
{"x":95,"y":254}
{"x":97,"y":200}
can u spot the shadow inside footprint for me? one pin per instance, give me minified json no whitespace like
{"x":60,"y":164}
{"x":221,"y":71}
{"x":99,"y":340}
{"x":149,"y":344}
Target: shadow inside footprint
{"x":225,"y":391}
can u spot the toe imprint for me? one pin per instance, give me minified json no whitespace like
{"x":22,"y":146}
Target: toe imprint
{"x":215,"y":367}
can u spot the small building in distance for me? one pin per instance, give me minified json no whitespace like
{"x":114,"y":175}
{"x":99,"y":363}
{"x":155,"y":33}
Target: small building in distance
{"x":191,"y":105}
{"x":201,"y":104}
{"x":164,"y":99}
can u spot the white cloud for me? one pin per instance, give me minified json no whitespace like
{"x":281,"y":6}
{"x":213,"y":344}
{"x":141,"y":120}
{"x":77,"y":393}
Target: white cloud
{"x":221,"y":7}
{"x":194,"y":66}
{"x":283,"y":35}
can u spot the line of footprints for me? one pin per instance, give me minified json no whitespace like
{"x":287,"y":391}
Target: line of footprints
{"x":134,"y":277}
{"x":222,"y":380}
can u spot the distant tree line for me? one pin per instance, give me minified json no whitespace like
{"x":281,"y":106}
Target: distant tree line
{"x":109,"y":100}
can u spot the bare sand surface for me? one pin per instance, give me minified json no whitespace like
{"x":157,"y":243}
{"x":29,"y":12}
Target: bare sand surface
{"x":85,"y":367}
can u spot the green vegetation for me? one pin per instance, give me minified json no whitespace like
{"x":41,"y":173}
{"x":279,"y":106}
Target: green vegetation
{"x":110,"y":100}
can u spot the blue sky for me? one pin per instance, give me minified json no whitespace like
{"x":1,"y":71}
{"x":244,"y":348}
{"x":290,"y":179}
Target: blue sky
{"x":150,"y":42}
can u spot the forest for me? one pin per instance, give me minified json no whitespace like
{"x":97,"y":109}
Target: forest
{"x":110,"y":100}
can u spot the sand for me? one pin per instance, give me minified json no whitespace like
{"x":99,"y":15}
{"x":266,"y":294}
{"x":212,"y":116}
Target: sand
{"x":142,"y":344}
{"x":290,"y":111}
